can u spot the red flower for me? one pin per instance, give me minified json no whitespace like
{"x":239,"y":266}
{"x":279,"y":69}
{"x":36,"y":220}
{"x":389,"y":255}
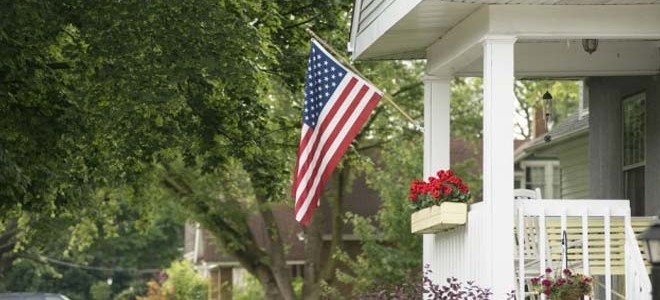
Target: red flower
{"x":445,"y":187}
{"x":565,"y":283}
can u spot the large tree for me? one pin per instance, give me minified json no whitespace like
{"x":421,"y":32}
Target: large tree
{"x":96,"y":95}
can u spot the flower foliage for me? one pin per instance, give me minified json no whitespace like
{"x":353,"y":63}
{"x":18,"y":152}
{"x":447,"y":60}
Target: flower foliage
{"x":452,"y":290}
{"x":445,"y":187}
{"x":567,"y":285}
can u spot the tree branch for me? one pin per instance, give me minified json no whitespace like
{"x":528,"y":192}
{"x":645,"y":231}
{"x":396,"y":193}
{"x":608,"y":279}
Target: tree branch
{"x":301,"y":22}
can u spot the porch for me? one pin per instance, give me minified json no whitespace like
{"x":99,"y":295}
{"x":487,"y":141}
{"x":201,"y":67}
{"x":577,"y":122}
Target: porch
{"x":501,"y":41}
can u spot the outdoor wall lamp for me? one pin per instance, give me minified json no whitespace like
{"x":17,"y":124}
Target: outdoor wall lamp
{"x":590,"y":45}
{"x":547,"y":107}
{"x":652,"y":239}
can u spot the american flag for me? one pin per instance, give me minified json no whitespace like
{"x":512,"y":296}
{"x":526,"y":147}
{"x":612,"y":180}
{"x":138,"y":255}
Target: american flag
{"x":337,"y":103}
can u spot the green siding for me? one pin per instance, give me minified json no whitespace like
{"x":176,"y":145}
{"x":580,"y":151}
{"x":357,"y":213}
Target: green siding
{"x":574,"y":164}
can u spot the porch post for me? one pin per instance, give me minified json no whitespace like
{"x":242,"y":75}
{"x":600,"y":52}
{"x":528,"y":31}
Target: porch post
{"x":436,"y":147}
{"x":498,"y":111}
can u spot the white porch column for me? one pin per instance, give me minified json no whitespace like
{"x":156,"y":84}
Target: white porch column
{"x":498,"y":111}
{"x":436,"y":147}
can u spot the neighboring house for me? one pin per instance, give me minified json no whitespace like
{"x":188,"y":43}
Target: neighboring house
{"x":560,"y":168}
{"x":613,"y":45}
{"x":626,"y":164}
{"x":225,"y":271}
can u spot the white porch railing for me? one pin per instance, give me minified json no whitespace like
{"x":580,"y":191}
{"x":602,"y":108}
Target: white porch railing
{"x":638,"y":283}
{"x":459,"y":253}
{"x":601,"y":241}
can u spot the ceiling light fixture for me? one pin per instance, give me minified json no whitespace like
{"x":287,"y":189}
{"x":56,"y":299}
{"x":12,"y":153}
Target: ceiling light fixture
{"x":590,"y":45}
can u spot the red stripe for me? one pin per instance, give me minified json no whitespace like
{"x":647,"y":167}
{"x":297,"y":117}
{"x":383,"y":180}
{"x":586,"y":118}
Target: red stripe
{"x":320,"y":130}
{"x":303,"y":143}
{"x":338,"y":152}
{"x":336,"y":158}
{"x":335,"y":131}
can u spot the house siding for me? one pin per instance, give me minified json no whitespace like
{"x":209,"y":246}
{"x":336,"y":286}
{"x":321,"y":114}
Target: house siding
{"x":574,"y":165}
{"x":370,"y":10}
{"x":605,"y":137}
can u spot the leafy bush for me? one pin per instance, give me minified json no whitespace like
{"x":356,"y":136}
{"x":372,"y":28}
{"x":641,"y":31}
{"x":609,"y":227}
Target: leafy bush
{"x":182,"y":282}
{"x":452,"y":290}
{"x":100,"y":290}
{"x":249,"y":289}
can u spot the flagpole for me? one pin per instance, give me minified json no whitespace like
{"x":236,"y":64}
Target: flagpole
{"x":349,"y":65}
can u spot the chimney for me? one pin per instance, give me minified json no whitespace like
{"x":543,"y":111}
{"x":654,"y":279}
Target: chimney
{"x":538,"y":122}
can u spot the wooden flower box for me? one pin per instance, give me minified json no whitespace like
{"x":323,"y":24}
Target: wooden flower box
{"x":446,"y":216}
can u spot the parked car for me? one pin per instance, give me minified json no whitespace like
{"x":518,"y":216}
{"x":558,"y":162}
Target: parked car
{"x":32,"y":296}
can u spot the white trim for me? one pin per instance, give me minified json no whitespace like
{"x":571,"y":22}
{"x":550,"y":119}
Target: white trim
{"x":460,"y":46}
{"x":455,"y":49}
{"x":355,"y":23}
{"x":196,"y":244}
{"x":385,"y":21}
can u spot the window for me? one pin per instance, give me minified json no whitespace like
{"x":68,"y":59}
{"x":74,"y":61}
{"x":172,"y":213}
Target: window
{"x":634,"y":123}
{"x":542,"y":174}
{"x":634,"y":150}
{"x":535,"y":177}
{"x":584,"y":100}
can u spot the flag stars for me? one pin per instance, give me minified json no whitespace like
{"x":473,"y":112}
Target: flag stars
{"x":324,"y":76}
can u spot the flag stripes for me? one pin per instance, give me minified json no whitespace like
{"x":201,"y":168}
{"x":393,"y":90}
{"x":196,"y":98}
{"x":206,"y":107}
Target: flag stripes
{"x":333,"y":128}
{"x":337,"y":104}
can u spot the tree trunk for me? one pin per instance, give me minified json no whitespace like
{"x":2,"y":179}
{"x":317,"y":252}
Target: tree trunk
{"x":278,"y":265}
{"x":313,"y":247}
{"x":336,"y":244}
{"x":268,"y":284}
{"x":7,"y":243}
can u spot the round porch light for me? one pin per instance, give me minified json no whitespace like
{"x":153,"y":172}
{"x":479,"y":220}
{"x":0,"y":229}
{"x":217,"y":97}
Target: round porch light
{"x":652,"y":238}
{"x":590,"y":45}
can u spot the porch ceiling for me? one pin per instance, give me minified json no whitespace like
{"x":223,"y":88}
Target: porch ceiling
{"x":411,"y":35}
{"x":405,"y":29}
{"x":567,"y":59}
{"x":560,"y":2}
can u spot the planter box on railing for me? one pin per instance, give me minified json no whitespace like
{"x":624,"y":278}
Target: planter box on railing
{"x":438,"y":218}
